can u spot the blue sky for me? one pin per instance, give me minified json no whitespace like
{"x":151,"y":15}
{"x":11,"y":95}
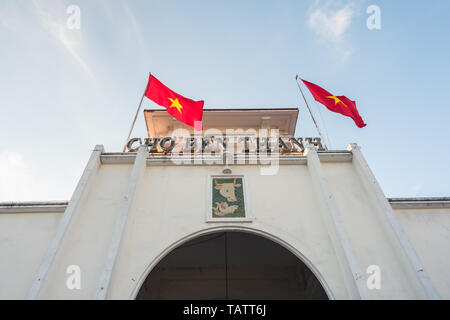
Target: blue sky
{"x":65,"y":90}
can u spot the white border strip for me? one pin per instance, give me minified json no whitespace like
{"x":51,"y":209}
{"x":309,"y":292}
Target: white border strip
{"x":81,"y":190}
{"x":125,"y":207}
{"x":353,"y":276}
{"x":408,"y":256}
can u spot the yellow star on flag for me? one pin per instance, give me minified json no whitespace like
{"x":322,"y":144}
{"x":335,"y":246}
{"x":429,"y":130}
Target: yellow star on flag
{"x":176,"y":104}
{"x":336,"y":99}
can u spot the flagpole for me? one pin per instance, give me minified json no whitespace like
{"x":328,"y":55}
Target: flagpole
{"x":307,"y":105}
{"x":134,"y":120}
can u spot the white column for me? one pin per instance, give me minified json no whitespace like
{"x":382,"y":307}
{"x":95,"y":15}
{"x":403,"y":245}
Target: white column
{"x":80,"y":192}
{"x":405,"y":251}
{"x":353,"y":276}
{"x":119,"y":228}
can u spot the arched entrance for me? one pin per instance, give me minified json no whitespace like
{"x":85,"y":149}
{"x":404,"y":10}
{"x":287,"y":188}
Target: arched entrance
{"x":231,"y":265}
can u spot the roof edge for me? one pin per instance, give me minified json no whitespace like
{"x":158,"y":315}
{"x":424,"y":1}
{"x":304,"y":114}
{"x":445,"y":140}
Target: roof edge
{"x":237,"y":109}
{"x":60,"y":205}
{"x":420,"y":202}
{"x":33,"y":206}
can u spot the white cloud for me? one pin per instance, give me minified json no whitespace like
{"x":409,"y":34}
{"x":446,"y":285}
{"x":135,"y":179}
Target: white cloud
{"x":330,"y":24}
{"x":19,"y":181}
{"x":136,"y":30}
{"x":415,"y":189}
{"x":51,"y":17}
{"x":53,"y":20}
{"x":14,"y":176}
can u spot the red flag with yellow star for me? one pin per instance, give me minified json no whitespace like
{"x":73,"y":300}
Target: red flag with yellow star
{"x":183,"y":109}
{"x":339,"y":104}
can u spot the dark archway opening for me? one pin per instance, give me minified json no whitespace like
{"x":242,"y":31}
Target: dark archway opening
{"x":231,"y":265}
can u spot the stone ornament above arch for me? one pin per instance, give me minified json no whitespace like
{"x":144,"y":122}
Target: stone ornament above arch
{"x":227,"y":198}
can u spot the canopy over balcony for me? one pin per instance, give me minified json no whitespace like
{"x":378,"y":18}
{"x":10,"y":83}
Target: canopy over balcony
{"x":160,"y":123}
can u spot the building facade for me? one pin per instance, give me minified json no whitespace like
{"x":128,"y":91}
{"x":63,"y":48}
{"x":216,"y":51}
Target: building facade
{"x":293,"y":222}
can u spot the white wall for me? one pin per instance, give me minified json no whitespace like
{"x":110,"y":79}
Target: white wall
{"x":169,"y":208}
{"x":24,"y":238}
{"x":88,"y":236}
{"x":429,"y":231}
{"x":366,"y":233}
